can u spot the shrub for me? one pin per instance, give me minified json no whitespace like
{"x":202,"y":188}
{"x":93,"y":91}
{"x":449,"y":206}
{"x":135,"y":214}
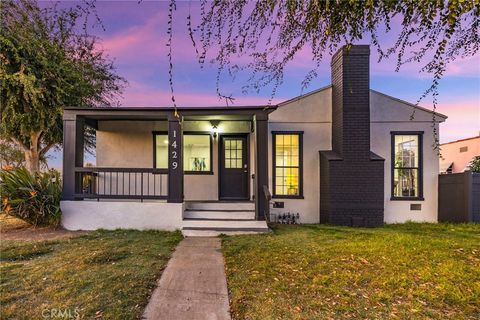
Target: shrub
{"x":34,"y":198}
{"x":475,"y":164}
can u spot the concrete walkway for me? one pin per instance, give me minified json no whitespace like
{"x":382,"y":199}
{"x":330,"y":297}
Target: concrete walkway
{"x":194,"y":285}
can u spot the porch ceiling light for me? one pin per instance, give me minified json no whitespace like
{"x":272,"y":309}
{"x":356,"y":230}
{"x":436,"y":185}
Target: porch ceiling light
{"x":214,"y":128}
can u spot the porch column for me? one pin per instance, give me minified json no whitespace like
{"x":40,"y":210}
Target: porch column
{"x":73,"y":144}
{"x":175,"y":160}
{"x":261,"y":164}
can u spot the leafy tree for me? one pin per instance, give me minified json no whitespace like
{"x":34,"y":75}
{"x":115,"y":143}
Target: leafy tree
{"x":273,"y":32}
{"x":475,"y":165}
{"x":48,"y":61}
{"x":13,"y":157}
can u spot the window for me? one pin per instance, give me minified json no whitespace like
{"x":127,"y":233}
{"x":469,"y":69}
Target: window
{"x":197,"y":152}
{"x":287,"y":164}
{"x":407,"y":165}
{"x":161,"y":151}
{"x":233,"y":153}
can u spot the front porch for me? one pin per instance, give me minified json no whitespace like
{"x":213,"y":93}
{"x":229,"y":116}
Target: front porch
{"x":204,"y":154}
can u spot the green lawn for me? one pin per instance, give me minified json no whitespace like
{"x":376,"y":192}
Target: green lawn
{"x":410,"y":271}
{"x":104,"y":274}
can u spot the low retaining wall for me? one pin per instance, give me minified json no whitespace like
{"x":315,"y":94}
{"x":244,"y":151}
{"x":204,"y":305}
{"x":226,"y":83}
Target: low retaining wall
{"x":93,"y":215}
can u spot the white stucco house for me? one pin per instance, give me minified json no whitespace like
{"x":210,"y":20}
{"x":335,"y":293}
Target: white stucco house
{"x":343,"y":154}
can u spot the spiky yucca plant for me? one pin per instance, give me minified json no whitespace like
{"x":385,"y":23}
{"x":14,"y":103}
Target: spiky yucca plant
{"x":34,"y":198}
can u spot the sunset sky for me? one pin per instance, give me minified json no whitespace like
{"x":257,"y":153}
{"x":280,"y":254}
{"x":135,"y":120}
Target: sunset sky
{"x":135,"y":38}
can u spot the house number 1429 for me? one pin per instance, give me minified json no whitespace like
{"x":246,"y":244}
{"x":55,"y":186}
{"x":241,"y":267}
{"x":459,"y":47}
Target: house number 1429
{"x":174,"y":152}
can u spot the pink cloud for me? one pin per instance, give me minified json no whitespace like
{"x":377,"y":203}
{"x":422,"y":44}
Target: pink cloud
{"x":138,"y":95}
{"x":467,"y":66}
{"x":146,"y":42}
{"x":463,"y":119}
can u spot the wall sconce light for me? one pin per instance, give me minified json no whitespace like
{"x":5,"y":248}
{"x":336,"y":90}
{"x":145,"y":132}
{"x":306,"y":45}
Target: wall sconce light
{"x":214,"y":129}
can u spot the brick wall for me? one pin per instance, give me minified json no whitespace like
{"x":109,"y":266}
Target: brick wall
{"x":351,"y":176}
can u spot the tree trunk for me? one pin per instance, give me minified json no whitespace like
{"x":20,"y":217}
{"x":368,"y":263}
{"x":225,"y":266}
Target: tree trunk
{"x":32,"y":151}
{"x":32,"y":160}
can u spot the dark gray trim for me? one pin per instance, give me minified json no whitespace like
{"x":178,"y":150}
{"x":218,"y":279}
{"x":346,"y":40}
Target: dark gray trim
{"x":73,"y":148}
{"x":300,"y":164}
{"x":116,"y":169}
{"x":171,"y":110}
{"x":175,"y":155}
{"x":420,"y":165}
{"x":246,"y":113}
{"x":261,"y":167}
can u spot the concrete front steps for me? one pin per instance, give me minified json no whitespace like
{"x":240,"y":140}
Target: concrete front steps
{"x":207,"y":219}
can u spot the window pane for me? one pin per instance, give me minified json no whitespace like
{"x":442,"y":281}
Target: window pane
{"x":196,"y":152}
{"x":405,"y":183}
{"x":279,"y":140}
{"x":406,"y":151}
{"x":233,"y":153}
{"x":294,"y":161}
{"x":294,"y":140}
{"x":279,"y":160}
{"x":161,"y":151}
{"x":279,"y":190}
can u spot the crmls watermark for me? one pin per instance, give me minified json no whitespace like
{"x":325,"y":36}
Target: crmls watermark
{"x":55,"y":313}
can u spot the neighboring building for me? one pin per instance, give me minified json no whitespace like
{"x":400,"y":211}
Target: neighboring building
{"x":457,"y":155}
{"x":343,"y":154}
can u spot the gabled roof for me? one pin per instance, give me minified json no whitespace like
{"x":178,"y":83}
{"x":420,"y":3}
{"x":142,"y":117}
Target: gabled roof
{"x":304,"y":95}
{"x":410,"y":104}
{"x":371,"y":90}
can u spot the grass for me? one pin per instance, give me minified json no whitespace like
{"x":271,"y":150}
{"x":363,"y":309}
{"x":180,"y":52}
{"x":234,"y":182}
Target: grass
{"x":409,"y":271}
{"x":104,"y":274}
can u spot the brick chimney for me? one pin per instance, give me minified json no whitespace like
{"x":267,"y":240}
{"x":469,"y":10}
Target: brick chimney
{"x":351,"y":176}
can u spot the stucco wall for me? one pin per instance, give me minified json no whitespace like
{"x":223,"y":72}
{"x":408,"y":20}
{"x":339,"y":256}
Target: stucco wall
{"x":110,"y":215}
{"x":451,"y":153}
{"x":129,"y":144}
{"x":312,"y":115}
{"x":389,"y":115}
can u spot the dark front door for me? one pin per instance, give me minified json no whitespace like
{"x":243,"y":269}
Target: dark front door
{"x":233,"y":162}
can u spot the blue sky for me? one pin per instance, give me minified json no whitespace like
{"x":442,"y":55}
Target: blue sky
{"x":135,"y":38}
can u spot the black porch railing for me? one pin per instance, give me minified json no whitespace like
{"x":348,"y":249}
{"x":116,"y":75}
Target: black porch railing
{"x":121,"y":183}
